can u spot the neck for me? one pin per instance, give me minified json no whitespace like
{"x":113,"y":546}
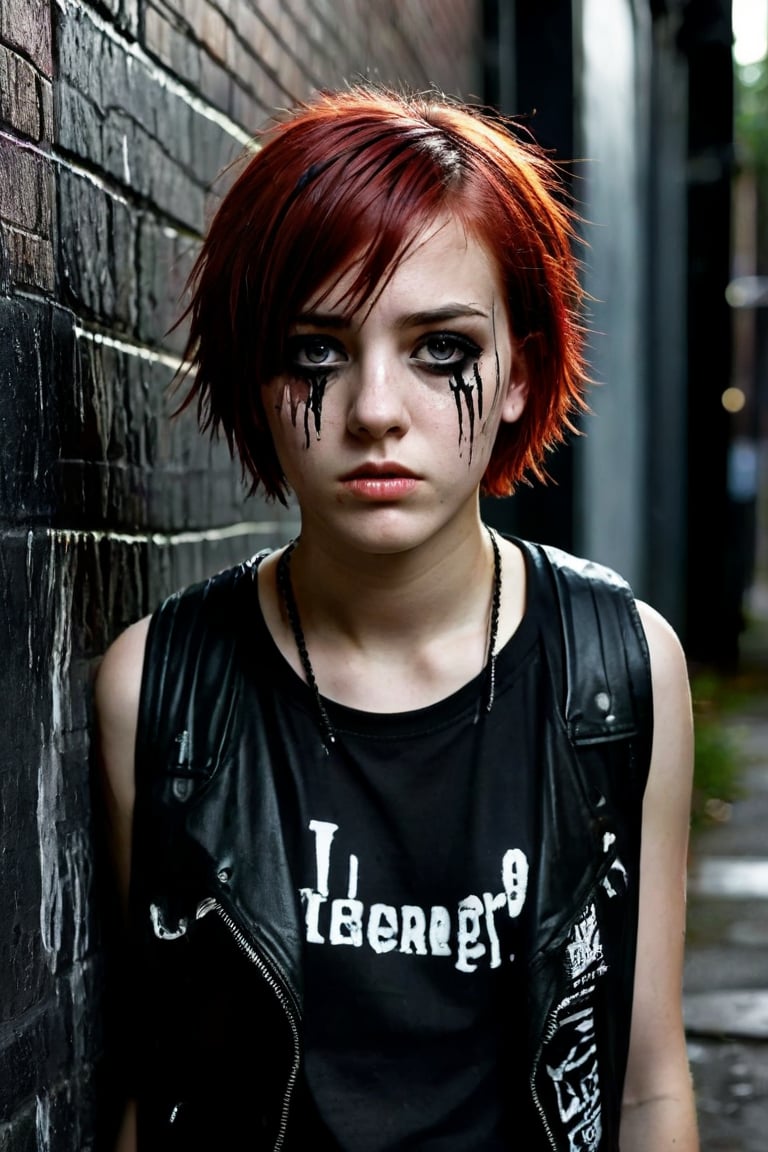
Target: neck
{"x":382,"y":599}
{"x":287,"y":595}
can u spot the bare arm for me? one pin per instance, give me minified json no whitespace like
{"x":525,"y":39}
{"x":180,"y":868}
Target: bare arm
{"x":116,"y":698}
{"x":659,"y":1113}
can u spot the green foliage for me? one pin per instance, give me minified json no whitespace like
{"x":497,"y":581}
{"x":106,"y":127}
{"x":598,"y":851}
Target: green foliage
{"x":718,"y":754}
{"x":751,"y":114}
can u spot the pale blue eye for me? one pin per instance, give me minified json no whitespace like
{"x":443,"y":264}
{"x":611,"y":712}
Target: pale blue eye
{"x":317,"y":352}
{"x":441,"y":348}
{"x":307,"y":353}
{"x":443,"y":353}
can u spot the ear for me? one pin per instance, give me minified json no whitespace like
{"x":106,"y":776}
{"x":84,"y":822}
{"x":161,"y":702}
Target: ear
{"x":513,"y":404}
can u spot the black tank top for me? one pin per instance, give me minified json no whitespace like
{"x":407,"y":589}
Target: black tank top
{"x":410,"y":845}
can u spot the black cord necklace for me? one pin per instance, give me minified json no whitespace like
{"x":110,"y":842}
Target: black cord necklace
{"x":285,"y":588}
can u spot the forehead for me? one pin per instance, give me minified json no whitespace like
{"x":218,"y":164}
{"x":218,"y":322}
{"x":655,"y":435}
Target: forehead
{"x":439,"y":260}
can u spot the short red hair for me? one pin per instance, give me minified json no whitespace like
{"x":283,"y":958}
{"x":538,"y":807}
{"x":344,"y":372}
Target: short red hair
{"x":355,"y":174}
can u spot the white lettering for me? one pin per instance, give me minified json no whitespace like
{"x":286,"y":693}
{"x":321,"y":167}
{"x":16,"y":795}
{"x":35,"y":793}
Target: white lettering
{"x":514,"y":874}
{"x":382,"y":928}
{"x":493,"y":904}
{"x":472,"y":932}
{"x":346,"y":922}
{"x":414,"y":925}
{"x":312,"y":901}
{"x":352,"y":889}
{"x":324,"y":834}
{"x":469,"y":945}
{"x":439,"y":931}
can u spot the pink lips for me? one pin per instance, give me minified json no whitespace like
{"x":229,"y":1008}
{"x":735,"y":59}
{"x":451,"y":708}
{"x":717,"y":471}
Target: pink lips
{"x":383,"y":481}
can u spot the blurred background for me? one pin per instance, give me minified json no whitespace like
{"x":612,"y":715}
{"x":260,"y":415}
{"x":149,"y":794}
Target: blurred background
{"x":117,"y":120}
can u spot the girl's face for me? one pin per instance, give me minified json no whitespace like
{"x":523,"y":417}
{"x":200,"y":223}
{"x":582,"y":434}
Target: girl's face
{"x":384,"y":419}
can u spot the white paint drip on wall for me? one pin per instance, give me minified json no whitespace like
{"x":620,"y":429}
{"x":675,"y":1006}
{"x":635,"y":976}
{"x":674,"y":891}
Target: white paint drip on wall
{"x":42,"y":1123}
{"x":48,"y":790}
{"x":126,"y":165}
{"x":64,"y":852}
{"x":30,"y":637}
{"x":50,"y":799}
{"x":78,"y":871}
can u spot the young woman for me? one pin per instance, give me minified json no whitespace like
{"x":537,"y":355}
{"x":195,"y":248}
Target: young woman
{"x":400,"y":810}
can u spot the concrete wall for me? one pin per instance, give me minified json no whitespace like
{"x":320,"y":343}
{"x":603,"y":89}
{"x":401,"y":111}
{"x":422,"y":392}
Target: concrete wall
{"x":666,"y":363}
{"x":654,"y":120}
{"x":115,"y":120}
{"x":612,"y":46}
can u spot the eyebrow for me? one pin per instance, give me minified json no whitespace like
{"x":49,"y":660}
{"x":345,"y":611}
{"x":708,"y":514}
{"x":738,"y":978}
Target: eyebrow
{"x":323,"y":319}
{"x":447,"y":312}
{"x":451,"y":311}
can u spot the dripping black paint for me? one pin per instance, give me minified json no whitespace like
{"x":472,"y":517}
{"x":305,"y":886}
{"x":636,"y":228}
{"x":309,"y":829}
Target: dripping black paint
{"x":312,"y":404}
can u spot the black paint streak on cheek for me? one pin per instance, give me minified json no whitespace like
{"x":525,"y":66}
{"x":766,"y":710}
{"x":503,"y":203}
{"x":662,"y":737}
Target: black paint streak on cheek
{"x":496,"y":355}
{"x":462,"y":388}
{"x":314,"y":404}
{"x":479,"y":383}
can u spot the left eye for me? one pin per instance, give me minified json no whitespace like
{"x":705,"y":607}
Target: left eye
{"x":444,"y":350}
{"x":314,"y":352}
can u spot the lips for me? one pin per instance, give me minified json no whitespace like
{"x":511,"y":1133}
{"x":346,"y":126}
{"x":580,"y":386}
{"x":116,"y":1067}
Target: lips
{"x":380,"y":482}
{"x":375,"y":471}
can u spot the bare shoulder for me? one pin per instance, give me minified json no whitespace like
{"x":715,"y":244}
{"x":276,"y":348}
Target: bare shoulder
{"x":117,"y":688}
{"x":669,"y":667}
{"x":658,"y":629}
{"x":122,"y":663}
{"x":669,"y":785}
{"x":117,"y":684}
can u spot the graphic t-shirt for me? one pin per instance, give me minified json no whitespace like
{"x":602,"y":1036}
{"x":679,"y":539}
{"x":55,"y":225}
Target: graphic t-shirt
{"x":412,"y":863}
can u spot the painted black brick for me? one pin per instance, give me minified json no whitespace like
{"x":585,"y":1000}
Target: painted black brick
{"x":116,"y":110}
{"x":96,"y":252}
{"x":35,"y":349}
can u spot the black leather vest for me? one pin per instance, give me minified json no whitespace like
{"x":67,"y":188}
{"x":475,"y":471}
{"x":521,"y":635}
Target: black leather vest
{"x":215,"y":922}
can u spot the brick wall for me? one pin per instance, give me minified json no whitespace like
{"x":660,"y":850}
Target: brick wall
{"x":116,"y":118}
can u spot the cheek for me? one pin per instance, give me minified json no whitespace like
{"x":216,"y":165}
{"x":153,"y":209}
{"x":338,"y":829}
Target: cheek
{"x":475,"y":402}
{"x":297,"y":403}
{"x":282,"y":405}
{"x":286,"y":396}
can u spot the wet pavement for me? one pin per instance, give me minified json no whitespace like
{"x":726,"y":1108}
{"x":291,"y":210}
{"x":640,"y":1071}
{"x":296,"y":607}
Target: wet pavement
{"x":726,"y":974}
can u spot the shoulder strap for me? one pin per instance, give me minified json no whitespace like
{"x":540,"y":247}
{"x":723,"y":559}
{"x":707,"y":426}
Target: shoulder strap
{"x":599,"y":657}
{"x":187,"y":694}
{"x":605,"y":672}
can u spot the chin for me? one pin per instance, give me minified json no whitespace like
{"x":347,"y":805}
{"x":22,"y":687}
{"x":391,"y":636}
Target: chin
{"x":383,"y":531}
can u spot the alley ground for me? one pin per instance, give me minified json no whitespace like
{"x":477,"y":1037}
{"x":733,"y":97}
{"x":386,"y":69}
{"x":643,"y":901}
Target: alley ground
{"x":726,"y":975}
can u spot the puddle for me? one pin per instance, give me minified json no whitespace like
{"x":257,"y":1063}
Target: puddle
{"x":746,"y":933}
{"x":733,"y":1013}
{"x":726,"y":876}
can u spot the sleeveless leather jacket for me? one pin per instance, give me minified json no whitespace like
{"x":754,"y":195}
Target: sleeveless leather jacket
{"x":216,"y":924}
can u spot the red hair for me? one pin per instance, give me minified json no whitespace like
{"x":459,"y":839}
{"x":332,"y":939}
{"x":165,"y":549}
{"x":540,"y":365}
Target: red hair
{"x":356,"y":174}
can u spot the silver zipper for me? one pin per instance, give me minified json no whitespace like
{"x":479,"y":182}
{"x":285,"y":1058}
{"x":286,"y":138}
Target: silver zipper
{"x":549,"y":1032}
{"x":210,"y":904}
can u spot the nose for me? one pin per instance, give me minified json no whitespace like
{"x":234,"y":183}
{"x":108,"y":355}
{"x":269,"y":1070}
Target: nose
{"x":378,"y":401}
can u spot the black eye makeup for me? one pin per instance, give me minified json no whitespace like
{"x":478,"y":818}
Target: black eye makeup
{"x":466,"y":384}
{"x":311,"y":360}
{"x":308,"y":354}
{"x":446,"y":353}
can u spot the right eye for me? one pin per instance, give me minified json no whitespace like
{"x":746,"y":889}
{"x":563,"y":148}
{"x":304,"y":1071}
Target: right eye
{"x":313,"y":352}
